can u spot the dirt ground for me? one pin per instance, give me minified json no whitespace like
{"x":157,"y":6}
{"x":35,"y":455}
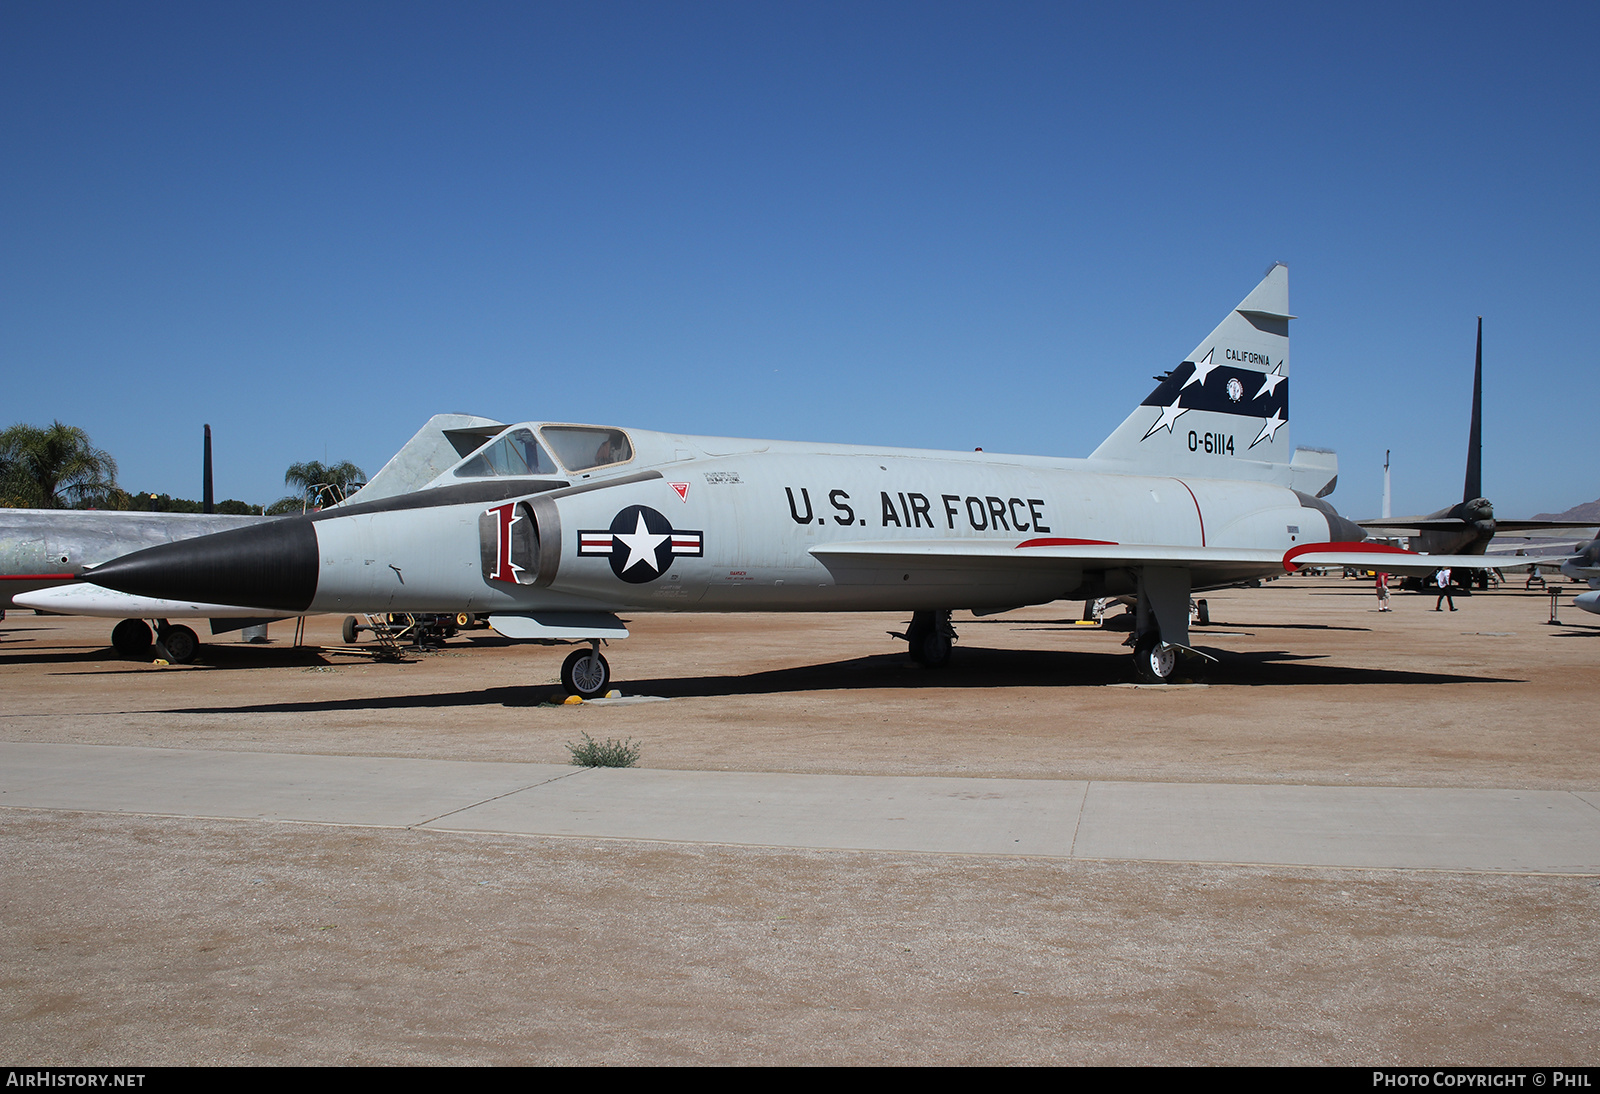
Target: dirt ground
{"x":144,"y":940}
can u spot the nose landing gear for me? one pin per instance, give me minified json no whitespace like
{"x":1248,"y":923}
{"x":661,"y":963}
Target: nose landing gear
{"x":585,"y":673}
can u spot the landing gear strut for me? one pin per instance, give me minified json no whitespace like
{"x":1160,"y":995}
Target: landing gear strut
{"x":929,"y":638}
{"x":1161,"y":628}
{"x":585,"y":673}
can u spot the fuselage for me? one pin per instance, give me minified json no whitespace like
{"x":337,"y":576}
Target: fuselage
{"x":1477,"y":528}
{"x":712,"y":524}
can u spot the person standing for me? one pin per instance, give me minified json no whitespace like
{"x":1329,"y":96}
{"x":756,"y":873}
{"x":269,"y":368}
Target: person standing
{"x":1442,"y":579}
{"x":1381,"y":585}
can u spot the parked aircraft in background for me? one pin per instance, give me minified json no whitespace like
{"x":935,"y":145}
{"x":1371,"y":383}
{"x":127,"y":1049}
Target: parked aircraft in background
{"x":50,"y":549}
{"x":551,"y":529}
{"x":1467,"y":527}
{"x":1585,"y":567}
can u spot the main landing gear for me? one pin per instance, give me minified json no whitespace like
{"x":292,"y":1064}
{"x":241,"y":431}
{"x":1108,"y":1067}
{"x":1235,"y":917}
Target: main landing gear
{"x":928,"y":638}
{"x":133,"y":638}
{"x":181,"y":643}
{"x":1160,"y":640}
{"x":1154,"y":661}
{"x":585,"y":673}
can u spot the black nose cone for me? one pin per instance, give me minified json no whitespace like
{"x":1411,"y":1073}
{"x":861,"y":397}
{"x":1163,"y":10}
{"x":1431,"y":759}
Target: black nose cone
{"x":271,"y":565}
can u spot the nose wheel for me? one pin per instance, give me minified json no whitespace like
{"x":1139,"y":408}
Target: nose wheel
{"x":585,"y":674}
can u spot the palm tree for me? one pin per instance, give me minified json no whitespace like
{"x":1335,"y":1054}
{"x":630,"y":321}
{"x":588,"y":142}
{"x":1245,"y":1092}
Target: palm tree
{"x":320,"y":484}
{"x":54,"y":468}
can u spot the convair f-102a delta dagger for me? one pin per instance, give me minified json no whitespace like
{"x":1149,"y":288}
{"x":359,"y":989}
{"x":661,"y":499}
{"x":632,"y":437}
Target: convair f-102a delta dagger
{"x":550,"y":529}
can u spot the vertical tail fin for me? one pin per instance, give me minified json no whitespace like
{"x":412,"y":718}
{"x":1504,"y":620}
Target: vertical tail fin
{"x":206,"y":503}
{"x":1227,"y":401}
{"x":1474,"y":484}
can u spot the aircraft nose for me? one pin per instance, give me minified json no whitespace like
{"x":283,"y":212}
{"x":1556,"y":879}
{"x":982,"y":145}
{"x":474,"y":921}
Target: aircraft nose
{"x":271,"y":565}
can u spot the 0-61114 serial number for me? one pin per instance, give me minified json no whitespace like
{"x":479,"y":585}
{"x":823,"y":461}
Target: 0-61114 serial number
{"x":1218,"y":444}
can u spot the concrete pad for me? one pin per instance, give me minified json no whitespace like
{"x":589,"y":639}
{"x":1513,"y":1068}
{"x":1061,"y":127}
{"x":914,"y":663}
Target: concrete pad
{"x":1362,"y":827}
{"x":367,"y":790}
{"x":967,"y":816}
{"x":1514,"y":830}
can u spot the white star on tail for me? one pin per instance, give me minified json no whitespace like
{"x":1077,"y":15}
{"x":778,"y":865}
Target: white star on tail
{"x":641,"y":544}
{"x":1269,"y":429}
{"x":1169,"y":414}
{"x":1201,"y":371}
{"x":1271,"y":380}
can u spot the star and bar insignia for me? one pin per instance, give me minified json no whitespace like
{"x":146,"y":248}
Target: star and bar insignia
{"x":641,"y":544}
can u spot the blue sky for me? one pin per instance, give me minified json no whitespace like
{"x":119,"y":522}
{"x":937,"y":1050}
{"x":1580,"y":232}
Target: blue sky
{"x":940,"y":225}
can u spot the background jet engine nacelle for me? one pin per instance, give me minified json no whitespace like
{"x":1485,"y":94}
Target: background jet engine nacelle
{"x":519,"y":542}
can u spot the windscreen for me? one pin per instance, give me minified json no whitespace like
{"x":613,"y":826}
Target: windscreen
{"x":516,"y":453}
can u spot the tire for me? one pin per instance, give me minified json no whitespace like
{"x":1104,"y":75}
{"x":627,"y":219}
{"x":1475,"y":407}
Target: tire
{"x":916,"y":634}
{"x":928,"y":639}
{"x":585,"y":674}
{"x":934,"y":649}
{"x":351,"y":630}
{"x":182,"y":644}
{"x":131,"y":638}
{"x":1153,"y":663}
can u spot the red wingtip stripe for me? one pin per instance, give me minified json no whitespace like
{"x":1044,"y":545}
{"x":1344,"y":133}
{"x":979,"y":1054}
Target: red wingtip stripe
{"x":1368,"y":548}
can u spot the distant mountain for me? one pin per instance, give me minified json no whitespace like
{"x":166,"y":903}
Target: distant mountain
{"x":1589,"y":510}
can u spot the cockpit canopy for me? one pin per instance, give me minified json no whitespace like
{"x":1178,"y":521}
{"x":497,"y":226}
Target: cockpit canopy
{"x":582,"y":447}
{"x":519,"y":453}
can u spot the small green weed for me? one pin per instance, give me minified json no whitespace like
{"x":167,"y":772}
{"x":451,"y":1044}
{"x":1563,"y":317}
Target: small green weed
{"x":610,"y":753}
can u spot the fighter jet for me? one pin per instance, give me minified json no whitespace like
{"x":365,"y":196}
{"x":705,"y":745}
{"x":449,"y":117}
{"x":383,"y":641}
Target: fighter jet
{"x":1465,"y":528}
{"x":551,"y":529}
{"x":50,"y":548}
{"x":1585,"y":566}
{"x":1582,"y":565}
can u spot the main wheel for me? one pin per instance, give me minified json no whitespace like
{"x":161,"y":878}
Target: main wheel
{"x":934,"y":649}
{"x":585,"y":674}
{"x":182,"y":644}
{"x":1154,"y":663}
{"x":131,"y":638}
{"x":351,"y":630}
{"x":928,"y":639}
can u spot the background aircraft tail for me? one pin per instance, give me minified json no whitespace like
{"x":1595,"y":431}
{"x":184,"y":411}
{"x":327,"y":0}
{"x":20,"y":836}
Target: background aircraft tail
{"x":1224,"y":411}
{"x":1473,"y":488}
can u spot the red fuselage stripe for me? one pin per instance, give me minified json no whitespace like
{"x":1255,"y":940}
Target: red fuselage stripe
{"x":37,"y":577}
{"x":1066,"y":543}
